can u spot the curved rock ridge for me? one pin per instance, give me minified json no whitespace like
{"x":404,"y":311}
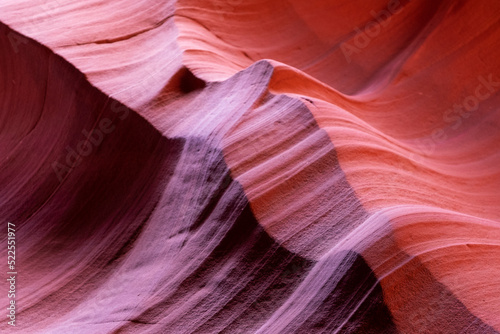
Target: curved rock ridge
{"x":252,"y":166}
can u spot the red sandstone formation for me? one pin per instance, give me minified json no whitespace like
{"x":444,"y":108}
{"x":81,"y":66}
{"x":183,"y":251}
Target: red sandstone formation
{"x":251,"y":166}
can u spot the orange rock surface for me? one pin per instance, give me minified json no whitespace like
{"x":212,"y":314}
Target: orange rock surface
{"x":251,"y":166}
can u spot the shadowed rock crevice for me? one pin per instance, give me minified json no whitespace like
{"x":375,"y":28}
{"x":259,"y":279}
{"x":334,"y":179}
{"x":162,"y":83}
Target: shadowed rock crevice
{"x":230,"y":276}
{"x":80,"y":185}
{"x":184,"y":82}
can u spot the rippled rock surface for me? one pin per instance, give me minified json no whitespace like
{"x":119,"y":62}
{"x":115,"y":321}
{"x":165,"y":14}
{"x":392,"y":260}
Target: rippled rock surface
{"x":251,"y":166}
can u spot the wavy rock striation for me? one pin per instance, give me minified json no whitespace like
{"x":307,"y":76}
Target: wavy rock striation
{"x":252,"y":166}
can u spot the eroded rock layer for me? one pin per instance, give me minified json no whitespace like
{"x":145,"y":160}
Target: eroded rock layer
{"x":251,"y":166}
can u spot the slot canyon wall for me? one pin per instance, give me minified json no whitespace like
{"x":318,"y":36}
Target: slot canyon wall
{"x":250,"y":166}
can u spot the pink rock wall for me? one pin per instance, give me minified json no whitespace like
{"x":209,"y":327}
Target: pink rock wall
{"x":251,"y":166}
